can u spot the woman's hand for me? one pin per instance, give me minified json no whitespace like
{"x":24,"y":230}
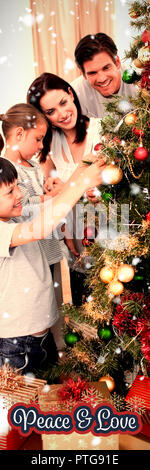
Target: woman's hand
{"x":53,"y":186}
{"x":93,"y":173}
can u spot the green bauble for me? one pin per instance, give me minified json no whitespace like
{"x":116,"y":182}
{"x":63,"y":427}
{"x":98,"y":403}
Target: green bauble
{"x":71,"y":338}
{"x":138,"y":277}
{"x":128,"y":76}
{"x":105,"y":333}
{"x":106,"y":196}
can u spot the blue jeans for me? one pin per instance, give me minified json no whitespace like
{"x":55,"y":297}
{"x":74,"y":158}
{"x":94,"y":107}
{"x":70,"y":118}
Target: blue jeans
{"x":28,"y":353}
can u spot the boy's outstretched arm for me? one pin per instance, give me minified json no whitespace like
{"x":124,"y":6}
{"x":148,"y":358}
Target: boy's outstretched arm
{"x":54,"y":210}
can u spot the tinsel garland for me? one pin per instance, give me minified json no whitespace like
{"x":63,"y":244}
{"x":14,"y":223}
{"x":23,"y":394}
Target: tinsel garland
{"x":125,"y":318}
{"x":145,"y":78}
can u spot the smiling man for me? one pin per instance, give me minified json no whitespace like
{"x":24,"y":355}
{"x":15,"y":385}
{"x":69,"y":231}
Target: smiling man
{"x":96,"y":56}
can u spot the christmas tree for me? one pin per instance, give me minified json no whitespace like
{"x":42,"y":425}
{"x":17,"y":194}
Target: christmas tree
{"x":108,"y":337}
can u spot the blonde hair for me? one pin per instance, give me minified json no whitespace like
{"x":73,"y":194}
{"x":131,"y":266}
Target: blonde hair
{"x":20,"y":115}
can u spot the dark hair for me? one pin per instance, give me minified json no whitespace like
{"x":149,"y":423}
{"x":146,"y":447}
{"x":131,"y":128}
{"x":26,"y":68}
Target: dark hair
{"x":21,"y":114}
{"x":91,"y":45}
{"x":8,"y":172}
{"x":40,"y":86}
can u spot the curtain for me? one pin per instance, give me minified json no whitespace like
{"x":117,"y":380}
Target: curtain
{"x":57,"y":27}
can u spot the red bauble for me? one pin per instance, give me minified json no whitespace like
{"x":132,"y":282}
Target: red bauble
{"x":148,"y":216}
{"x":138,"y":132}
{"x":141,"y":153}
{"x":90,"y":232}
{"x":86,"y":242}
{"x":145,"y":36}
{"x":98,"y":147}
{"x":117,"y":140}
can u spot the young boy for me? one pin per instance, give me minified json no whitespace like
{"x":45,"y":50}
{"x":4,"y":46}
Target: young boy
{"x":27,"y":303}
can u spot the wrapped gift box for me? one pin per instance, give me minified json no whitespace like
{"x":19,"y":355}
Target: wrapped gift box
{"x":15,"y":388}
{"x":21,"y":388}
{"x":11,"y":441}
{"x":50,"y":401}
{"x":139,"y":398}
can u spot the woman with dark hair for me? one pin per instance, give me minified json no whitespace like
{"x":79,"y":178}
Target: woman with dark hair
{"x":70,"y":137}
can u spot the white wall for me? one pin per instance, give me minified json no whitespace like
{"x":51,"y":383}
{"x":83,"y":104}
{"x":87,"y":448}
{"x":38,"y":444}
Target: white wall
{"x":17,"y":68}
{"x":124,"y":32}
{"x":16,"y":53}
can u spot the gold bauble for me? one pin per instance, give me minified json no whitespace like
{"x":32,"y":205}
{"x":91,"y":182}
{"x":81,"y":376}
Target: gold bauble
{"x":111,"y":174}
{"x":115,"y":287}
{"x":106,"y":274}
{"x":134,"y":14}
{"x":144,"y":55}
{"x":109,"y":382}
{"x":130,"y":119}
{"x":125,"y":273}
{"x":138,"y":63}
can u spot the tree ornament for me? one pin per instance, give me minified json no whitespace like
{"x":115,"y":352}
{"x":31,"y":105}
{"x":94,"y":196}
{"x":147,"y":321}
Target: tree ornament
{"x":106,"y":196}
{"x":138,"y":63}
{"x":86,"y":242}
{"x":141,"y":153}
{"x":111,"y":174}
{"x":148,"y":216}
{"x":124,"y":106}
{"x":125,"y":273}
{"x":138,"y":132}
{"x":145,"y":78}
{"x":134,"y":13}
{"x":129,"y":76}
{"x":105,"y":333}
{"x":130,"y":119}
{"x":146,"y":36}
{"x":98,"y":147}
{"x":107,"y":274}
{"x":138,"y":278}
{"x":109,"y":382}
{"x":144,"y":55}
{"x":90,"y":232}
{"x":71,"y":338}
{"x":138,"y":71}
{"x":115,"y":287}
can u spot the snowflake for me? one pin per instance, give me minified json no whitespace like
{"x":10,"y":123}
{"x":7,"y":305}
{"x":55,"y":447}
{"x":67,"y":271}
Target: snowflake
{"x":92,"y":396}
{"x":136,"y":404}
{"x":39,"y":18}
{"x":135,"y":189}
{"x":68,"y":65}
{"x":27,"y":20}
{"x":56,"y":284}
{"x":118,"y":402}
{"x":96,"y":441}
